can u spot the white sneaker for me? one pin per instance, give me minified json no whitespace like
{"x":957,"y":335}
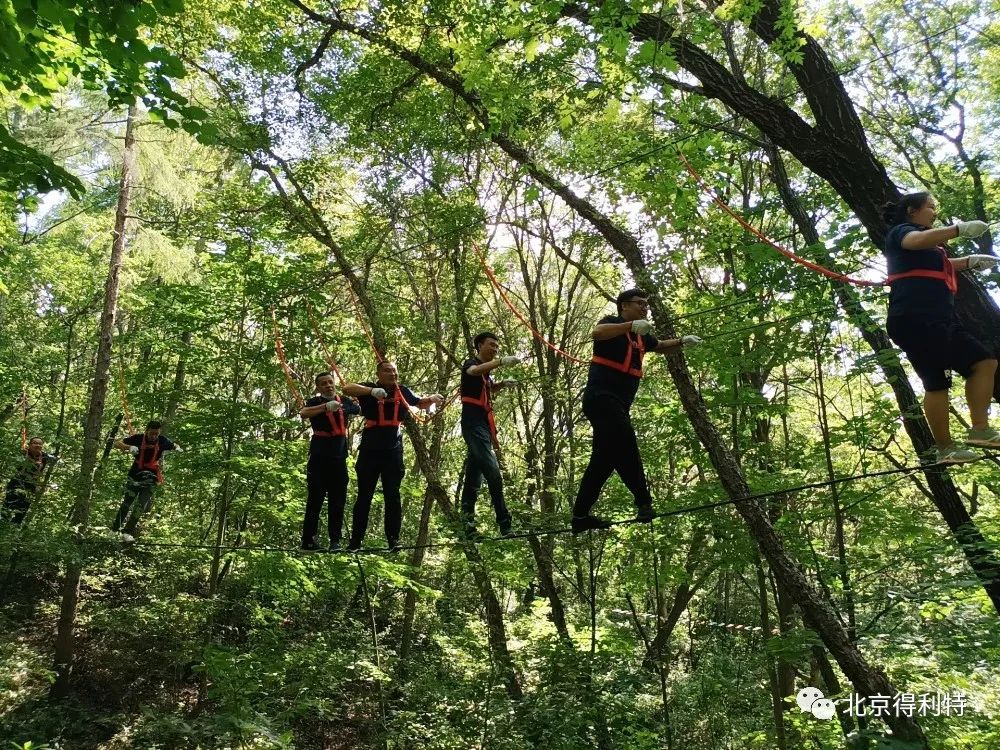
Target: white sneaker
{"x":986,"y":437}
{"x":126,"y":538}
{"x":955,"y":455}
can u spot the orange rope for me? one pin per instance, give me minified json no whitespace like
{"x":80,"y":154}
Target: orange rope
{"x":764,"y":238}
{"x":330,"y":361}
{"x":121,"y":387}
{"x":279,"y":349}
{"x":518,"y":314}
{"x":24,"y":421}
{"x":364,"y":327}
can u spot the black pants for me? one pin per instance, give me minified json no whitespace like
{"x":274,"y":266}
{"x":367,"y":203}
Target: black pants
{"x":371,"y":465}
{"x":615,"y":448}
{"x":17,"y":501}
{"x":326,"y":479}
{"x":481,"y":463}
{"x":137,"y":488}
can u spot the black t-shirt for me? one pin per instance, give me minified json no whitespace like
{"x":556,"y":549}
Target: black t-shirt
{"x":146,"y":453}
{"x":329,"y":446}
{"x":926,"y":298}
{"x":472,"y":387}
{"x":385,"y":438}
{"x":606,"y":381}
{"x":29,"y":471}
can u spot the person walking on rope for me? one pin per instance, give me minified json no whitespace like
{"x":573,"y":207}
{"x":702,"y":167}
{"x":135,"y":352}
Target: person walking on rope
{"x":480,"y":433}
{"x":145,"y":474}
{"x":922,"y":320}
{"x":23,"y":486}
{"x":620,"y":342}
{"x":385,"y":404}
{"x":326,"y":472}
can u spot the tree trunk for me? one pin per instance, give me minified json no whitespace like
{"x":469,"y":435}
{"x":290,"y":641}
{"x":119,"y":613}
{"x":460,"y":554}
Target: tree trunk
{"x":177,"y":392}
{"x":866,"y":679}
{"x":65,"y":635}
{"x":964,"y":530}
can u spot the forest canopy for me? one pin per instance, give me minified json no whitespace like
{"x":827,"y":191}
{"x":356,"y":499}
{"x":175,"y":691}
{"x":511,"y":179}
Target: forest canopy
{"x":247,"y":250}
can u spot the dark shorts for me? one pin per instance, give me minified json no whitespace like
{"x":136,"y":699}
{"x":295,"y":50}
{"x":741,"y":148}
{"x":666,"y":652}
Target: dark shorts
{"x":935,"y":346}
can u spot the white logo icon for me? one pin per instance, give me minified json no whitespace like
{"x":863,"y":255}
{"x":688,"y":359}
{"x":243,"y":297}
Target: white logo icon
{"x":813,"y":701}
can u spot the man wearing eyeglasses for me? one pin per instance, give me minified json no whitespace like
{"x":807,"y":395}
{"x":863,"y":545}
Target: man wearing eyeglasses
{"x":620,"y":343}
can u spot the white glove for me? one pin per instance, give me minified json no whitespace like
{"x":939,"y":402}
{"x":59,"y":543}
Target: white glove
{"x":510,"y":359}
{"x":641,"y":326}
{"x":335,"y":405}
{"x":972,"y":228}
{"x":379,"y":393}
{"x":178,"y":449}
{"x":692,"y":340}
{"x":980,"y":262}
{"x":134,"y":450}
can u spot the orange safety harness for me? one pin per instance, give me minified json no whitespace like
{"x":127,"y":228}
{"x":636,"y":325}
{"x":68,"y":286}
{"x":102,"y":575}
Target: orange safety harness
{"x":625,"y":365}
{"x":385,"y":421}
{"x":338,"y":423}
{"x":153,"y":464}
{"x":485,"y":402}
{"x":946,"y":274}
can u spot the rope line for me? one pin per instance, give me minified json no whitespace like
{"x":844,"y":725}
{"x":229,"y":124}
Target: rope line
{"x":279,"y":348}
{"x":517,"y":313}
{"x":24,"y":420}
{"x":815,"y":267}
{"x":568,"y":530}
{"x":330,"y":361}
{"x":121,"y":387}
{"x":364,"y":326}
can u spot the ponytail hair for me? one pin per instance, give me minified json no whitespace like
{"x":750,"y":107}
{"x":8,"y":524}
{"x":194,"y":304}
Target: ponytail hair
{"x":898,"y":212}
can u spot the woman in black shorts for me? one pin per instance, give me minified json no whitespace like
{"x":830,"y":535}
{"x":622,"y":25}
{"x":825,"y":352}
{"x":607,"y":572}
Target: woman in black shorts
{"x":922,"y":319}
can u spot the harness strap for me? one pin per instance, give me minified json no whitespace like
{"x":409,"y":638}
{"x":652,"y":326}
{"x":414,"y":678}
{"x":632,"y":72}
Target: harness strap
{"x":626,"y":365}
{"x":946,"y":274}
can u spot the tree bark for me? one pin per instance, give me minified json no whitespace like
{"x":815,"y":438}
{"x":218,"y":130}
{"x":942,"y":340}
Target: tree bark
{"x":65,"y":635}
{"x":867,"y":679}
{"x":964,"y":530}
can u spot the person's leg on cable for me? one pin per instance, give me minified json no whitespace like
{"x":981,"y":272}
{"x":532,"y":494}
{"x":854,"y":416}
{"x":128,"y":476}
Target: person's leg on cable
{"x":978,"y":366}
{"x":128,"y":497}
{"x":628,"y":461}
{"x":367,"y":470}
{"x":599,"y":468}
{"x":470,"y":486}
{"x":927,"y":346}
{"x":393,"y":472}
{"x":337,"y":500}
{"x":315,"y":491}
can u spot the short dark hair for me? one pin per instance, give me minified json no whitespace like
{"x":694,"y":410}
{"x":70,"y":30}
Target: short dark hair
{"x":324,"y":374}
{"x":480,"y":338}
{"x":154,"y":424}
{"x":36,"y":437}
{"x":381,"y":364}
{"x":898,"y":212}
{"x":626,"y":296}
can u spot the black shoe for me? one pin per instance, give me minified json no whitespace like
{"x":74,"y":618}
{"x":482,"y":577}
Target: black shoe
{"x":507,"y":532}
{"x":585,"y":523}
{"x":394,"y":548}
{"x":645,"y":514}
{"x":335,"y":546}
{"x":471,"y":534}
{"x":354,"y":548}
{"x":311,"y":546}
